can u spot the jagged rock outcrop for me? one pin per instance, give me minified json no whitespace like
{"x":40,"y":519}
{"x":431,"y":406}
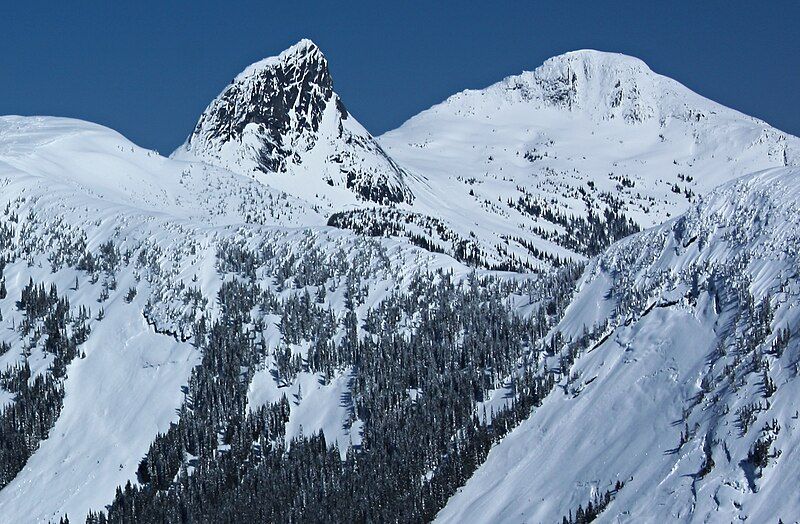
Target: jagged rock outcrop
{"x":281,"y":116}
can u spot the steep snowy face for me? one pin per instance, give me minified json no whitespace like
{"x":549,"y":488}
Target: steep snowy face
{"x":606,"y":85}
{"x":684,"y":385}
{"x":281,"y":116}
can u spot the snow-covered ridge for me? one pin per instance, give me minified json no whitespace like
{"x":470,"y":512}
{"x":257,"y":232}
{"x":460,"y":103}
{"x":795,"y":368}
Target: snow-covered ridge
{"x":754,"y":219}
{"x":80,"y":161}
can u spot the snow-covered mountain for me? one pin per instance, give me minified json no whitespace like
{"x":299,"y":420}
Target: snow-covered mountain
{"x":281,"y":122}
{"x":543,"y":167}
{"x":687,"y":393}
{"x":519,"y":167}
{"x":291,"y":320}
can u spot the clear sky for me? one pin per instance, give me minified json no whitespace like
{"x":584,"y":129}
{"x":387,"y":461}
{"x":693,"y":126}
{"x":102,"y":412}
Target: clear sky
{"x":148,"y":70}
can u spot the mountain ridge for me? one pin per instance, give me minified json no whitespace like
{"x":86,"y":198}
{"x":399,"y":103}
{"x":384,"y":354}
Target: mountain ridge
{"x":560,"y":78}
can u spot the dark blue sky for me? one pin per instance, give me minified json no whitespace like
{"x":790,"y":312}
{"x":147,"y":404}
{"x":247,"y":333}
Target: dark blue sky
{"x":148,"y":70}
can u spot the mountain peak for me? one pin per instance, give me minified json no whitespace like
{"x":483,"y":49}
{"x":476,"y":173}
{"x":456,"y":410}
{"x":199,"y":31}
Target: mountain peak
{"x":601,"y":85}
{"x":591,"y":70}
{"x":608,"y":85}
{"x":304,"y":53}
{"x":281,"y":115}
{"x":272,"y":97}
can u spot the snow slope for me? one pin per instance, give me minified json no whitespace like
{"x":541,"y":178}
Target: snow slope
{"x":118,"y":398}
{"x":675,"y":379}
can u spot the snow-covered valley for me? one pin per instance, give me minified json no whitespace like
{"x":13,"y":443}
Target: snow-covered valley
{"x":573,"y":294}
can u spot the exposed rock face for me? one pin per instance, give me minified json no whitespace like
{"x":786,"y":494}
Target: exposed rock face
{"x":281,"y":115}
{"x":283,"y":99}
